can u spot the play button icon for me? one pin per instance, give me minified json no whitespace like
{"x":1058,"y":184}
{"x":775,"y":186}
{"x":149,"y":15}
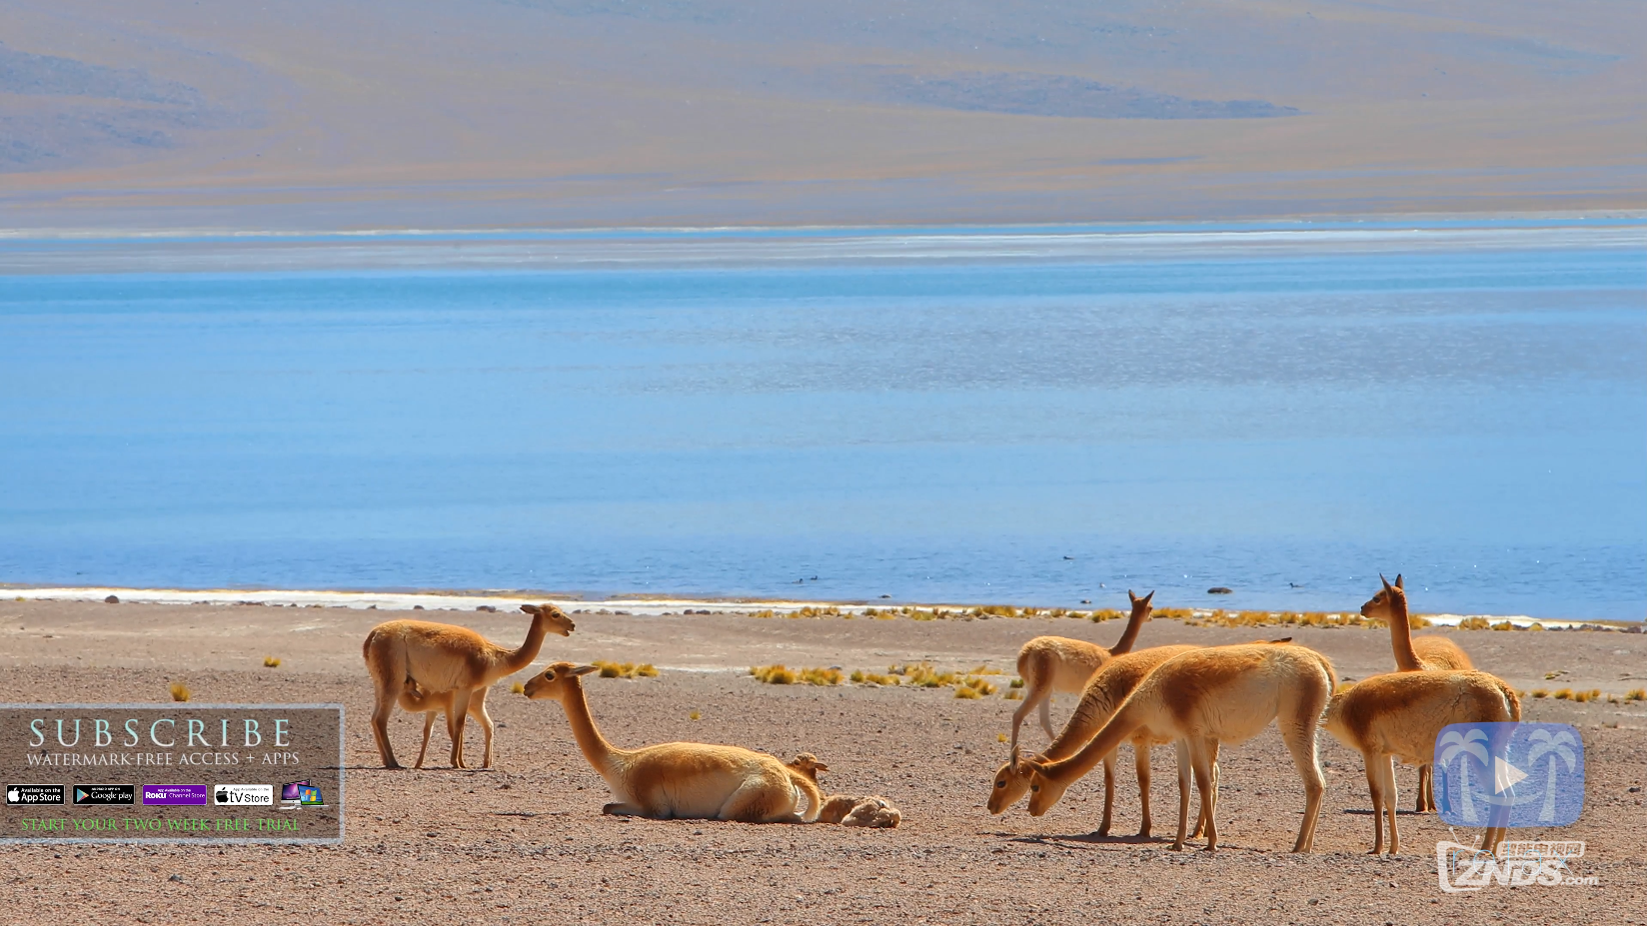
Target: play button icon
{"x":1505,"y":775}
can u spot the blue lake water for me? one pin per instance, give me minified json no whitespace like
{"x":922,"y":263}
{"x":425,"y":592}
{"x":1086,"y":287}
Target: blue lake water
{"x":966,"y":427}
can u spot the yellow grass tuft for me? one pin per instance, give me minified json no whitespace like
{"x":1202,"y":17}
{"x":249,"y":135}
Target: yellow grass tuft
{"x":180,"y":691}
{"x":1419,"y":621}
{"x":1016,"y":683}
{"x":1565,"y":694}
{"x":966,"y":693}
{"x":694,"y":716}
{"x":271,"y":662}
{"x":1013,"y":694}
{"x":783,"y":675}
{"x":517,"y":688}
{"x":1000,"y":737}
{"x":764,"y":614}
{"x":1540,"y":692}
{"x":1503,"y":625}
{"x":1594,"y":694}
{"x":1636,"y":694}
{"x":1108,"y":614}
{"x":1474,"y":623}
{"x":626,"y":669}
{"x":1535,"y":625}
{"x":773,"y":675}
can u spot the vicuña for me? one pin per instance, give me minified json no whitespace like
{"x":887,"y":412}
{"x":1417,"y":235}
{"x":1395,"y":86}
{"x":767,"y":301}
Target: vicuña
{"x":452,"y":668}
{"x":681,"y":780}
{"x":1208,"y":697}
{"x":1062,"y":665}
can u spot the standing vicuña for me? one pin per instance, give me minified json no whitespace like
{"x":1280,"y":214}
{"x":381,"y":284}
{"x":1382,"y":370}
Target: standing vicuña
{"x":1060,"y":664}
{"x":681,"y":780}
{"x":1399,"y":716}
{"x":1413,"y":654}
{"x":1107,"y":690}
{"x":452,"y":667}
{"x":1207,"y":697}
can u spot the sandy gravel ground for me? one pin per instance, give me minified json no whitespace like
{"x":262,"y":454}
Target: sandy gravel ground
{"x":526,"y":841}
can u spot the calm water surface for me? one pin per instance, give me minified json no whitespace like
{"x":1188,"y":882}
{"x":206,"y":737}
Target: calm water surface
{"x":1284,"y":422}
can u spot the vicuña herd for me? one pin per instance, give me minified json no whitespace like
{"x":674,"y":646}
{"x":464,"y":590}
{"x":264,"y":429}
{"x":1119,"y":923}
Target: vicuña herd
{"x":1196,"y":698}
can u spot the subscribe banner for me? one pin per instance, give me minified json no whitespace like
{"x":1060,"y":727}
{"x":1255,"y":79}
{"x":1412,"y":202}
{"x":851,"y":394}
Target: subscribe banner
{"x":172,"y":772}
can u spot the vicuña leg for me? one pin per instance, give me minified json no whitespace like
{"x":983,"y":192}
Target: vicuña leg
{"x":428,"y":724}
{"x":388,"y":693}
{"x":1298,"y":732}
{"x":1037,"y":697}
{"x":477,"y":705}
{"x":454,"y":724}
{"x":1109,"y":793}
{"x":1201,"y":763}
{"x":1140,"y":761}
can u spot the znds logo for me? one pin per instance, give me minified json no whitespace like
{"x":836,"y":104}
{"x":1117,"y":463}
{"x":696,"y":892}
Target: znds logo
{"x":1518,"y":864}
{"x":1509,"y":774}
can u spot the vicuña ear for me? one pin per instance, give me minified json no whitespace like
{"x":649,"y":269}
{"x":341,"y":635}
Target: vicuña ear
{"x":585,"y":670}
{"x":529,"y":608}
{"x":1013,"y":763}
{"x":1384,"y":580}
{"x":1398,"y":580}
{"x":1131,"y":597}
{"x":1149,"y":596}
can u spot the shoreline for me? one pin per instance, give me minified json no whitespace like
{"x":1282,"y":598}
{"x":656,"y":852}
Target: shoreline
{"x":661,"y":605}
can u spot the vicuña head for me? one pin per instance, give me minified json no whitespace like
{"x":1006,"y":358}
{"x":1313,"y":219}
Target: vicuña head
{"x":1382,"y":605}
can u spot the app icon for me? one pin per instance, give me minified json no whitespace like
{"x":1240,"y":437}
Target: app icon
{"x":242,"y":795}
{"x":103,"y":795}
{"x":175,"y":795}
{"x":1509,"y":774}
{"x":34,"y":794}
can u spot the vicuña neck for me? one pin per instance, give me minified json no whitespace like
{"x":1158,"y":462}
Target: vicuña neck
{"x":1129,"y":635}
{"x":1112,"y":735}
{"x":1401,"y":635}
{"x":515,"y":660}
{"x":595,"y":748}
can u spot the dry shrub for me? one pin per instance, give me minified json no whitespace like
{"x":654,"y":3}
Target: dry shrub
{"x":1419,"y":621}
{"x":1109,"y":614}
{"x":765,"y":613}
{"x":966,"y":693}
{"x":1565,"y":694}
{"x":1503,"y":625}
{"x":773,"y":675}
{"x":271,"y":662}
{"x":1474,"y":623}
{"x":1016,"y":683}
{"x":180,"y":691}
{"x":694,"y":716}
{"x":1541,"y":692}
{"x":1013,"y":694}
{"x":517,"y":688}
{"x":1636,"y":694}
{"x":1535,"y":625}
{"x":626,"y":669}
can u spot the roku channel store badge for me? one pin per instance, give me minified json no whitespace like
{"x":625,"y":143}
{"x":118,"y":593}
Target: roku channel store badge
{"x":182,"y":773}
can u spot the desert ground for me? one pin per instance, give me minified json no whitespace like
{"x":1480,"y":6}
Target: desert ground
{"x":526,"y":841}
